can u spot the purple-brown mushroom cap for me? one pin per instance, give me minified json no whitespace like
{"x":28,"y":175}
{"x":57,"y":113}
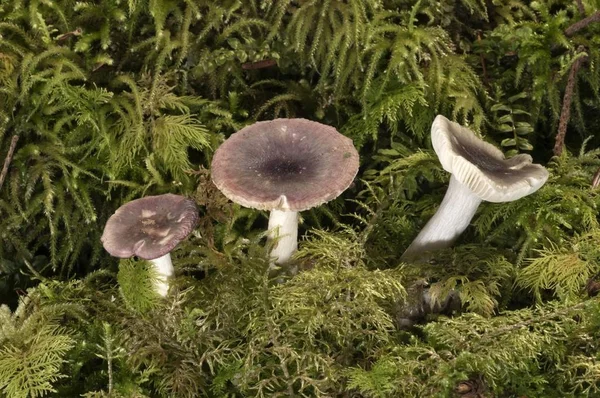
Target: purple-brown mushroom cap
{"x":149,"y":227}
{"x":285,"y":164}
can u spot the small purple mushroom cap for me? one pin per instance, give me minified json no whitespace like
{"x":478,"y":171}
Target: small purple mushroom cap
{"x":285,"y":164}
{"x":149,"y":227}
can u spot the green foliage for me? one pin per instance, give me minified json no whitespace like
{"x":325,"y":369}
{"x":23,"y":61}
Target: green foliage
{"x":236,"y":331}
{"x":538,"y":34}
{"x":31,"y":370}
{"x":115,"y":100}
{"x":340,"y":249}
{"x":511,"y":119}
{"x":551,"y":216}
{"x":564,"y":270}
{"x":392,"y":108}
{"x":403,"y":170}
{"x":137,"y":281}
{"x":517,"y":353}
{"x":476,"y":272}
{"x":33,"y":346}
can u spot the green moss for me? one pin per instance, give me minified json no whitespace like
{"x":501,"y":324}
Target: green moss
{"x":115,"y":100}
{"x":137,"y":281}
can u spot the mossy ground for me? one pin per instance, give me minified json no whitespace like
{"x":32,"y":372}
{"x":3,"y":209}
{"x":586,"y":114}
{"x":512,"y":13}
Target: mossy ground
{"x":115,"y":100}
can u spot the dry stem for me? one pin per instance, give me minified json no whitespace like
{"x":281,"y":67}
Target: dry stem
{"x":267,"y":63}
{"x":596,"y":179}
{"x":8,"y":159}
{"x":580,"y":7}
{"x":577,"y":26}
{"x":565,"y":113}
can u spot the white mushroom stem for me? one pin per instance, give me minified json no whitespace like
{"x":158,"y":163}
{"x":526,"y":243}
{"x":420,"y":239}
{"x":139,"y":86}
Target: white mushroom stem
{"x":283,"y":226}
{"x":452,"y":218}
{"x":164,"y":269}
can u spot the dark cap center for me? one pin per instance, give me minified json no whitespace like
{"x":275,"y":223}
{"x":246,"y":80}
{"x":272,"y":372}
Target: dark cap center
{"x":280,"y":169}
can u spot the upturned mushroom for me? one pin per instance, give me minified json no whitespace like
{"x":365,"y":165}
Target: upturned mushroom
{"x":284,"y":166}
{"x":479,"y":172}
{"x":150,"y":228}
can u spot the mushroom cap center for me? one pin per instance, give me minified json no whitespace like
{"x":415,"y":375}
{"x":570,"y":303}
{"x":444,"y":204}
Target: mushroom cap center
{"x":280,"y":169}
{"x":284,"y":169}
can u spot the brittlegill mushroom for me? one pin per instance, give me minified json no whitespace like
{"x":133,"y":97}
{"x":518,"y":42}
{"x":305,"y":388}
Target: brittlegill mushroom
{"x":479,"y":172}
{"x":150,"y":228}
{"x":284,"y":166}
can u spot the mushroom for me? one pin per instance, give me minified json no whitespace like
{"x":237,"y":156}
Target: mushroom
{"x":479,"y":172}
{"x":150,"y":228}
{"x":284,"y":166}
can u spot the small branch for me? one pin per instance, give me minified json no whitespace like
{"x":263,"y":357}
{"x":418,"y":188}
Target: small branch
{"x":592,"y":287}
{"x":577,"y":26}
{"x":363,"y":237}
{"x":565,"y":113}
{"x":8,"y":159}
{"x":76,"y":32}
{"x":596,"y":179}
{"x":267,"y":63}
{"x":482,"y":59}
{"x":34,"y":272}
{"x":110,"y":376}
{"x":580,"y":7}
{"x":98,"y":66}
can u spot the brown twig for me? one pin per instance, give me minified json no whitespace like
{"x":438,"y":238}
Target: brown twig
{"x":565,"y":113}
{"x":482,"y":59}
{"x":472,"y":388}
{"x":64,"y":36}
{"x":98,"y":66}
{"x":267,"y":63}
{"x":577,"y":26}
{"x":580,"y":7}
{"x":596,"y":179}
{"x":8,"y":159}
